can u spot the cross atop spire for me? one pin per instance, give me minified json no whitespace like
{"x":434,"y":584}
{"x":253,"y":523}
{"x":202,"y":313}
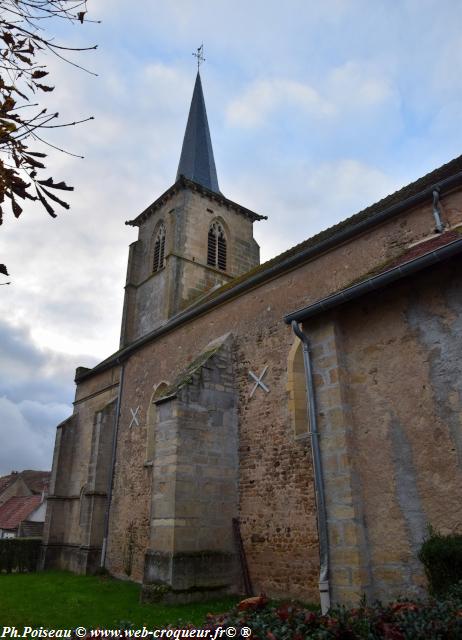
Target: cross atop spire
{"x":196,"y":161}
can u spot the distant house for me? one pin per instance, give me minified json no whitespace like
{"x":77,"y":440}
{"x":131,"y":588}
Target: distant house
{"x":23,"y":516}
{"x":23,"y":483}
{"x":23,"y":503}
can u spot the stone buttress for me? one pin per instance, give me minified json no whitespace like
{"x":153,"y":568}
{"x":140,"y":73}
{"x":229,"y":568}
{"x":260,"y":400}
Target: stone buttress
{"x":195,"y":482}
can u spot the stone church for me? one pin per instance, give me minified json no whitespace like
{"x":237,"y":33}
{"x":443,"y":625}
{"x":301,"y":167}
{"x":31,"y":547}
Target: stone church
{"x":288,"y":428}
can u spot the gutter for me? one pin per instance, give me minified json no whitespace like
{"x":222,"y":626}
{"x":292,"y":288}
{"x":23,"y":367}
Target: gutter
{"x":288,"y":263}
{"x":375,"y":282}
{"x":324,"y":590}
{"x":112,"y":469}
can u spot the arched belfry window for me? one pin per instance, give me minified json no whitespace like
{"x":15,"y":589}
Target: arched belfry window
{"x":159,"y":249}
{"x":216,"y":246}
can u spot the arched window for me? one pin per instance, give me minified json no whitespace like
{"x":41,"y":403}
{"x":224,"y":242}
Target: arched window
{"x":296,"y":387}
{"x":159,"y":249}
{"x":152,"y":419}
{"x":216,"y":246}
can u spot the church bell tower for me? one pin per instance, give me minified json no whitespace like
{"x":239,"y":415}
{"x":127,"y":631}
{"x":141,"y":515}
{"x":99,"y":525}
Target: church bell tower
{"x":192,"y":239}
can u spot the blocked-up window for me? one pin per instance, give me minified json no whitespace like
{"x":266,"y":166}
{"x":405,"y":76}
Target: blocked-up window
{"x":159,"y":249}
{"x":84,"y":507}
{"x":296,"y":386}
{"x":216,"y":246}
{"x":152,"y":420}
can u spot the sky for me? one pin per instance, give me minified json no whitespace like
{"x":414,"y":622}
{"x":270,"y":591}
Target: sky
{"x":316,"y":110}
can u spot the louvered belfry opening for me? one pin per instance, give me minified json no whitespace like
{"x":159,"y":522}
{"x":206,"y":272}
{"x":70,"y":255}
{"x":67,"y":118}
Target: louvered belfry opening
{"x":159,"y":249}
{"x":216,"y":247}
{"x":211,"y":248}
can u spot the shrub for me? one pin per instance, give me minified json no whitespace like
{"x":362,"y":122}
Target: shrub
{"x":442,"y":559}
{"x":455,"y":592}
{"x":19,"y":554}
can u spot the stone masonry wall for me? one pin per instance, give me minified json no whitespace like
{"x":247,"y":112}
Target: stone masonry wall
{"x":76,"y":502}
{"x":404,"y":377}
{"x":151,"y":298}
{"x":388,"y":394}
{"x":277,"y":508}
{"x":349,"y":573}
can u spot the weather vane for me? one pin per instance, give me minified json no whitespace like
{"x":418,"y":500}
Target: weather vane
{"x":199,"y":55}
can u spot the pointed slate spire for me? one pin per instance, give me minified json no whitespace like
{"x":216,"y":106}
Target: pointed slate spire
{"x":196,"y":161}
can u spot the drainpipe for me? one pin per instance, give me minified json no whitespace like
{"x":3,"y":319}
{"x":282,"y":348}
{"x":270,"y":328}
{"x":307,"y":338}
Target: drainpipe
{"x":436,"y":210}
{"x":324,"y":591}
{"x":111,"y":473}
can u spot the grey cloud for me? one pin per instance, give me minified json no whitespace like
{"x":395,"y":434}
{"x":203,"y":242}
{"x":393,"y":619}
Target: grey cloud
{"x":36,"y":392}
{"x":37,"y":373}
{"x":24,"y":447}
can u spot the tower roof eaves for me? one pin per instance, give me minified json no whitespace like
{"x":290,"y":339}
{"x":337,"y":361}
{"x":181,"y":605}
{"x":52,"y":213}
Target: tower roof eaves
{"x":185,"y":183}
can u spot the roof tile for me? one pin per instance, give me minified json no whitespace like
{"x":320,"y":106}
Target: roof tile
{"x":17,"y":509}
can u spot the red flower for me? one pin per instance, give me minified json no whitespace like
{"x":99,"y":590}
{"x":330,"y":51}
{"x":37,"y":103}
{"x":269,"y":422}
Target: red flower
{"x":284,"y":612}
{"x":404,"y":606}
{"x":310,"y":618}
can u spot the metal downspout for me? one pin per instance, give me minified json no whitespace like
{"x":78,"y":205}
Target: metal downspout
{"x":111,"y":473}
{"x":436,"y":210}
{"x":324,"y":591}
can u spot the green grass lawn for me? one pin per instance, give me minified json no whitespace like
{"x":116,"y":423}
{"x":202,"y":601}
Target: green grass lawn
{"x":63,"y":600}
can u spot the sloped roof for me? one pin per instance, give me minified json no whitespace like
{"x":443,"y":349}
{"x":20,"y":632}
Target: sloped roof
{"x":196,"y":161}
{"x":36,"y":481}
{"x":411,"y":261}
{"x":17,"y":509}
{"x":186,"y":377}
{"x":6,"y":481}
{"x":430,"y":180}
{"x":447,"y":177}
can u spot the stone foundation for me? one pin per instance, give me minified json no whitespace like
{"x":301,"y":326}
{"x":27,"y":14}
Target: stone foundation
{"x":188,"y":577}
{"x":75,"y":558}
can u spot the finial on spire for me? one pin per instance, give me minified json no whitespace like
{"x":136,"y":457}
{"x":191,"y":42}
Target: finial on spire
{"x":200,"y":56}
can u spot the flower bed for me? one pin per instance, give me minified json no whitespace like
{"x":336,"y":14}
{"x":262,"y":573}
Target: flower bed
{"x":401,"y":620}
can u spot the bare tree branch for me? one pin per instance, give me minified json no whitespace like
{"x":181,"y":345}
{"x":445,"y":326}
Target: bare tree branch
{"x":24,"y":35}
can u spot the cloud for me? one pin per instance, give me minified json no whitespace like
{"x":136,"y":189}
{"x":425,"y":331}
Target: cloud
{"x":264,"y":97}
{"x":72,"y":281}
{"x":359,"y":85}
{"x":26,"y":371}
{"x":36,"y":391}
{"x":330,"y":191}
{"x":27,"y":434}
{"x":355,"y":86}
